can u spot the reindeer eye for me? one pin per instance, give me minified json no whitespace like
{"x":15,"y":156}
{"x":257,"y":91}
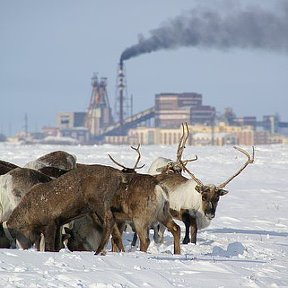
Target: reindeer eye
{"x":204,"y":198}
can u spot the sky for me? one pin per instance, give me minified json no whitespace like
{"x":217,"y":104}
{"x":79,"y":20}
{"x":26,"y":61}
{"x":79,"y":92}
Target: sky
{"x":50,"y":49}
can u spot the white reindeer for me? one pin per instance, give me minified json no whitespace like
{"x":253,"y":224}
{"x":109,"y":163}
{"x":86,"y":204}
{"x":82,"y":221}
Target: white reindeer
{"x":190,"y":200}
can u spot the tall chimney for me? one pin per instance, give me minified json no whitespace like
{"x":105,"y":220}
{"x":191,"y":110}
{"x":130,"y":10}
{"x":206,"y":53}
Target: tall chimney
{"x":121,"y":87}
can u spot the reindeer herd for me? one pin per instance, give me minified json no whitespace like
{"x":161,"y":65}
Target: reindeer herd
{"x":54,"y":201}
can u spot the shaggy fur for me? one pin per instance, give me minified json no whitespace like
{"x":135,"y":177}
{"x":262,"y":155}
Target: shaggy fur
{"x":48,"y":206}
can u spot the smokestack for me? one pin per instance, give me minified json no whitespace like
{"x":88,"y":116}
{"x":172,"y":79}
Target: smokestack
{"x":249,"y":28}
{"x":121,"y":87}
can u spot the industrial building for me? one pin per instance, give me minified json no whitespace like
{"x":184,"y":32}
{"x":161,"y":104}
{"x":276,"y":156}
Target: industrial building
{"x":97,"y":125}
{"x":172,"y":109}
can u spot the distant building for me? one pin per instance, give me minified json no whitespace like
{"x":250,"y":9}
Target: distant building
{"x":69,"y":120}
{"x":246,"y":120}
{"x":200,"y":135}
{"x":172,"y":109}
{"x":202,"y":115}
{"x":270,"y":123}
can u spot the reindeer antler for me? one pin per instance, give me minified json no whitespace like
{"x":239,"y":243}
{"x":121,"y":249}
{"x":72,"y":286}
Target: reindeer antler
{"x":250,"y":160}
{"x":182,"y":140}
{"x":182,"y":143}
{"x":135,"y":166}
{"x":180,"y":150}
{"x":198,"y":181}
{"x":138,"y":159}
{"x":117,"y":163}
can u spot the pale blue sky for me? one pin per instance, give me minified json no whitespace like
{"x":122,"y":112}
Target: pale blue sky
{"x":49,"y":50}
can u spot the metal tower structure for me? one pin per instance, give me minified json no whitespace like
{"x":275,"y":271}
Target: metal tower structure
{"x":99,"y":115}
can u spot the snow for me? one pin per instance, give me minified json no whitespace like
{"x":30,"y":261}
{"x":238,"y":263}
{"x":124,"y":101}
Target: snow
{"x":245,"y":245}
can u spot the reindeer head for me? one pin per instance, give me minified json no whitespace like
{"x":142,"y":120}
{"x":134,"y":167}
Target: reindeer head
{"x":170,"y":168}
{"x":210,"y":198}
{"x":211,"y":193}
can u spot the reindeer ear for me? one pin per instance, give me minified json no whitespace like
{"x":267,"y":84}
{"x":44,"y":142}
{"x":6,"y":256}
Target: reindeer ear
{"x":222,"y":192}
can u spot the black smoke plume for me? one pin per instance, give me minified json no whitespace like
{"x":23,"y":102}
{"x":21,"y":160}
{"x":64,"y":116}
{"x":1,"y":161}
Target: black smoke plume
{"x":249,"y":28}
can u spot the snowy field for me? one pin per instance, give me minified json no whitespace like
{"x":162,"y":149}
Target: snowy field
{"x":245,"y":246}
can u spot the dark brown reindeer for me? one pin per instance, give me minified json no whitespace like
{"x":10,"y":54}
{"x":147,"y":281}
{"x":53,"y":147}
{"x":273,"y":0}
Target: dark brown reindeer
{"x":48,"y":206}
{"x":6,"y":167}
{"x":86,"y":232}
{"x":192,"y":201}
{"x":142,"y":203}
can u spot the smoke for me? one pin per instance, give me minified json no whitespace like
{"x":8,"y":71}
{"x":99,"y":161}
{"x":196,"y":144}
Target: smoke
{"x":249,"y":28}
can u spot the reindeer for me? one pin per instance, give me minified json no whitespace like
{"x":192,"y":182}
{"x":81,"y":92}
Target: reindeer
{"x":6,"y":167}
{"x":192,"y":201}
{"x":14,"y":185}
{"x":86,"y":231}
{"x":48,"y":206}
{"x":142,"y":203}
{"x":53,"y":164}
{"x":18,"y":181}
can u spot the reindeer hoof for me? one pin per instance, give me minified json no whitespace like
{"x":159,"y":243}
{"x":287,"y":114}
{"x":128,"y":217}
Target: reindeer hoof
{"x":186,"y":241}
{"x":102,"y":253}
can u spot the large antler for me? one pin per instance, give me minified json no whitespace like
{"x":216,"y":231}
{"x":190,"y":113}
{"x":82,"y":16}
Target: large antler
{"x":135,"y":166}
{"x":182,"y":143}
{"x":180,"y":150}
{"x":190,"y":173}
{"x":138,"y":159}
{"x":250,"y":160}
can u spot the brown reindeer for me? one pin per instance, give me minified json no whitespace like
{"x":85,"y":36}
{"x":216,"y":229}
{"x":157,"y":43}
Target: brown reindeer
{"x":48,"y":206}
{"x":142,"y":203}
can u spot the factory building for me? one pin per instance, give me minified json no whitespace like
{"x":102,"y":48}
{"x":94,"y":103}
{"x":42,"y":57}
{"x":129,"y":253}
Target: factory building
{"x":200,"y":135}
{"x":69,"y":120}
{"x":169,"y":112}
{"x":172,"y":109}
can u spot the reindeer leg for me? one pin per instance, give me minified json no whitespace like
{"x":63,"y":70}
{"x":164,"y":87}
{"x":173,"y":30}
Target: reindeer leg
{"x":107,"y":229}
{"x":186,"y":218}
{"x":142,"y":232}
{"x":117,"y":244}
{"x":38,"y":242}
{"x":58,"y":239}
{"x":134,"y":240}
{"x":161,"y":231}
{"x":50,"y":236}
{"x":194,"y":229}
{"x":175,"y":230}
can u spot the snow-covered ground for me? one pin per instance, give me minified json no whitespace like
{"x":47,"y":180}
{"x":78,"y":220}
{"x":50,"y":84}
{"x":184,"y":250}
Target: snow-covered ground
{"x":245,"y":246}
